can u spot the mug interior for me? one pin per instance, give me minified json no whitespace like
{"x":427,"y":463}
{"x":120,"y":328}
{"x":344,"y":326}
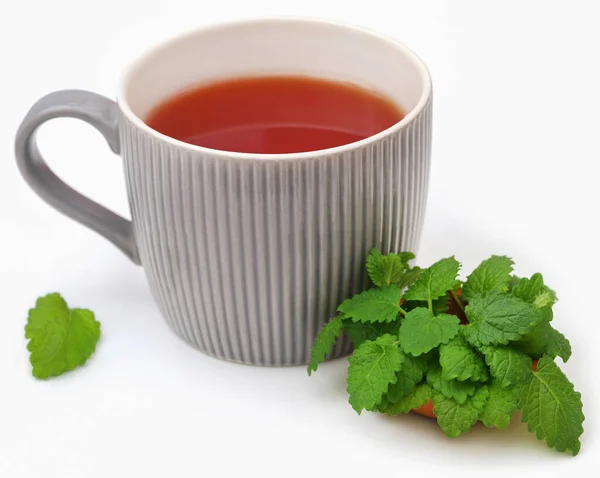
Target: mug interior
{"x":276,"y":47}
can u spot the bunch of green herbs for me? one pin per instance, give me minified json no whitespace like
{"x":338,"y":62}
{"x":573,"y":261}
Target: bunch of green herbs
{"x":493,"y":356}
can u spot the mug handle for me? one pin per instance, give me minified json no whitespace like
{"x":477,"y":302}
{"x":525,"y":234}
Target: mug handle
{"x":101,"y":113}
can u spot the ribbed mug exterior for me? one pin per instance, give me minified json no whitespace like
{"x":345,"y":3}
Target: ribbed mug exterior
{"x":248,"y":255}
{"x":247,"y":259}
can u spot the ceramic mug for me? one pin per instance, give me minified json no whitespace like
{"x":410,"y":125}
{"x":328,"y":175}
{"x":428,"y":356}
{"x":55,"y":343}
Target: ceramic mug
{"x":248,"y":255}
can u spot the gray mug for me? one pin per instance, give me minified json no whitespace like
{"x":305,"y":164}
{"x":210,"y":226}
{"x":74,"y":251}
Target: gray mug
{"x":248,"y":255}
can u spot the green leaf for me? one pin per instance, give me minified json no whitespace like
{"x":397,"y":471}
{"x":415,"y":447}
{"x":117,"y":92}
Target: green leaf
{"x":456,"y":418}
{"x":528,"y":289}
{"x":479,"y":398}
{"x":373,"y":305}
{"x":454,"y":389}
{"x":547,"y":298}
{"x":545,"y":340}
{"x":421,"y":331}
{"x":360,"y":332}
{"x":459,"y":361}
{"x":60,"y":339}
{"x":501,"y":405}
{"x":553,"y":409}
{"x":387,"y":270}
{"x":496,"y":318}
{"x":534,"y":291}
{"x":513,"y":281}
{"x":434,"y":281}
{"x":373,"y":367}
{"x":323,"y":343}
{"x":508,"y":365}
{"x":410,"y":277}
{"x":557,"y":345}
{"x":420,"y":395}
{"x":406,"y":257}
{"x":411,"y":373}
{"x":493,"y":274}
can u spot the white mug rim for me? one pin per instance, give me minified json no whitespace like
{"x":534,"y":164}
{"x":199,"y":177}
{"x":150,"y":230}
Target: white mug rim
{"x":129,"y":71}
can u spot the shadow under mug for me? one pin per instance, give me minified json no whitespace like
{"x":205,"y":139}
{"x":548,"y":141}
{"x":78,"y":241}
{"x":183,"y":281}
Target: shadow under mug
{"x":248,"y":255}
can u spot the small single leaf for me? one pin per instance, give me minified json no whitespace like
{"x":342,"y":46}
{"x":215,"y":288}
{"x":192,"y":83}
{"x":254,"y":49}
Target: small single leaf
{"x":387,"y":270}
{"x":528,"y":289}
{"x":534,"y":291}
{"x":459,"y":361}
{"x":501,"y":405}
{"x":406,"y":257}
{"x":553,"y":409}
{"x":456,"y":418}
{"x":323,"y":343}
{"x":493,"y":274}
{"x":373,"y":367}
{"x":411,"y":373}
{"x":508,"y":365}
{"x":496,"y":318}
{"x":373,"y":305}
{"x":61,"y":339}
{"x":420,"y":395}
{"x":454,"y":389}
{"x":557,"y":345}
{"x":421,"y":331}
{"x":434,"y":281}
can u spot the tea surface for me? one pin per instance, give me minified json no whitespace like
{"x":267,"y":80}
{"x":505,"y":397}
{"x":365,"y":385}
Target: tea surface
{"x":275,"y":114}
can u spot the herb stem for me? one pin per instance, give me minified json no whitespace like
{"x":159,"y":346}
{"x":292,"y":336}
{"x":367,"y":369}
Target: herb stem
{"x":402,"y":311}
{"x":457,"y":300}
{"x":430,"y":304}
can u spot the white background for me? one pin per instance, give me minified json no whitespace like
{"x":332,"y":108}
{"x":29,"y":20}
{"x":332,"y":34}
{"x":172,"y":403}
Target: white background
{"x":515,"y":171}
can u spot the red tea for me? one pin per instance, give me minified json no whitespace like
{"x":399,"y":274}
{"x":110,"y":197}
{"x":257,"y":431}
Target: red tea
{"x":276,"y":114}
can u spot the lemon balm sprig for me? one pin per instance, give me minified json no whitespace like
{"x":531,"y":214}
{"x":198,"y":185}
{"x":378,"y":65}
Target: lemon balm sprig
{"x":484,"y":359}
